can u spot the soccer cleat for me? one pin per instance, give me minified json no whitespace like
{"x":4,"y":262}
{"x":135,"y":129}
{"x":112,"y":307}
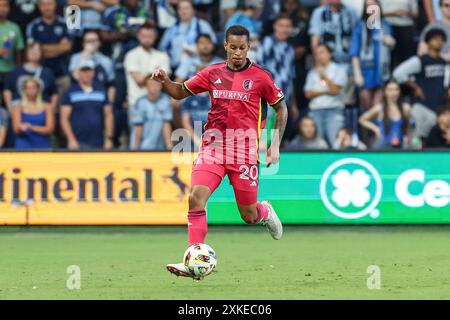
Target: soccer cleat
{"x":273,"y":223}
{"x":179,"y":270}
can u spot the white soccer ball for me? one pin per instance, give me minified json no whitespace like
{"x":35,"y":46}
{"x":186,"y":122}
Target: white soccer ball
{"x":200,"y":260}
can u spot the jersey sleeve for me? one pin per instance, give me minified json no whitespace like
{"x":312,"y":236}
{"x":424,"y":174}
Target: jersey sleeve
{"x":198,"y":84}
{"x":271,"y":92}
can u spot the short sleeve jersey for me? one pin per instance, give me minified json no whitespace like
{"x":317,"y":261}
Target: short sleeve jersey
{"x":239,"y":98}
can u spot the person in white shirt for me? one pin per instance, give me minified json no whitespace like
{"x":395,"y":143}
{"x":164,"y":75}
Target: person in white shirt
{"x":143,"y":61}
{"x":324,"y":87}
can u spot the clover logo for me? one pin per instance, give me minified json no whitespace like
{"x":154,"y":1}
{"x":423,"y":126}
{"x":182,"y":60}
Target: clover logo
{"x":351,"y":188}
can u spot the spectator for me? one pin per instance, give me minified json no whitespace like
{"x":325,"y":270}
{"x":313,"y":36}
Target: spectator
{"x":166,"y":13}
{"x":194,"y":113}
{"x":430,"y":81}
{"x":104,"y":69}
{"x":86,"y":114}
{"x":401,"y":14}
{"x":278,"y":56}
{"x":227,"y":9}
{"x":143,"y":61}
{"x":205,"y":9}
{"x":150,"y":118}
{"x":179,"y":40}
{"x":33,"y":119}
{"x":120,"y":25}
{"x":332,"y":24}
{"x":300,"y":41}
{"x":3,"y":126}
{"x":11,"y":43}
{"x":392,"y":118}
{"x":189,"y":67}
{"x":432,"y":10}
{"x":22,"y":12}
{"x":31,"y":68}
{"x":439,"y":136}
{"x":248,"y":16}
{"x":91,"y":16}
{"x":204,"y":57}
{"x":344,"y":141}
{"x":356,"y":5}
{"x":307,"y":138}
{"x":51,"y":31}
{"x":444,"y":25}
{"x":324,"y":87}
{"x":370,"y":52}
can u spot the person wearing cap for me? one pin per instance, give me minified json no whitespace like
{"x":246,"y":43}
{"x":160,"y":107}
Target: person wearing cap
{"x":86,"y":113}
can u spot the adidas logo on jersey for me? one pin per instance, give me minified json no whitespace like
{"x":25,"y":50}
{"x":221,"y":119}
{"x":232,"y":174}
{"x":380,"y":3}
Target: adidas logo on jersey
{"x":253,"y":184}
{"x":218,"y":81}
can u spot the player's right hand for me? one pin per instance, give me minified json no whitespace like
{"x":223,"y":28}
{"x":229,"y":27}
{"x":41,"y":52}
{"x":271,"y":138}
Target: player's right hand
{"x":160,"y":75}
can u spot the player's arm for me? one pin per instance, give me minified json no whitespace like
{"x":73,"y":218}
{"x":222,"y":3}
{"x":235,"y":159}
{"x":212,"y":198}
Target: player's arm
{"x":175,"y":89}
{"x":273,"y":154}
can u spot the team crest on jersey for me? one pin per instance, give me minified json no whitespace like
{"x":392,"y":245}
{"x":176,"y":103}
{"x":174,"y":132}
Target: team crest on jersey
{"x":247,"y":84}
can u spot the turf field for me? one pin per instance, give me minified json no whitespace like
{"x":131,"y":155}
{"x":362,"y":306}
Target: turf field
{"x":310,"y":262}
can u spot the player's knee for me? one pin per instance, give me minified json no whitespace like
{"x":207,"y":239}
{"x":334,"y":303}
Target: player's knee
{"x":196,"y":200}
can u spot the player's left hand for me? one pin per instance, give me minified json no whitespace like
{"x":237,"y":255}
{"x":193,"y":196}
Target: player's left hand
{"x":273,"y":156}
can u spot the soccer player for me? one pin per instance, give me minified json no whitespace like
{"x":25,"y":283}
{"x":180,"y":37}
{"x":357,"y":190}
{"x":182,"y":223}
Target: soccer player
{"x":239,"y":91}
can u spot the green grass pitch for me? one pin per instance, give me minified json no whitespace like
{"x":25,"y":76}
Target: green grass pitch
{"x":310,"y":262}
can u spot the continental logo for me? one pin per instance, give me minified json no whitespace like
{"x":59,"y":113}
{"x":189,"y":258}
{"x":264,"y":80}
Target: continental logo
{"x":109,"y":187}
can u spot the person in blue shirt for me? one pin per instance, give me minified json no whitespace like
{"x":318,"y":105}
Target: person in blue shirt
{"x":277,"y":55}
{"x":389,"y":120}
{"x":91,"y":12}
{"x":31,"y":68}
{"x":150,"y":117}
{"x":370,"y":53}
{"x":4,"y":121}
{"x":194,"y":113}
{"x":120,"y":25}
{"x":104,"y":68}
{"x":51,"y":31}
{"x":179,"y":41}
{"x":204,"y":57}
{"x":33,"y":119}
{"x":248,"y":16}
{"x":86,"y":114}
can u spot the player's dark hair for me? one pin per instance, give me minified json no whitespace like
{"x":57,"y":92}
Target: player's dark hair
{"x":237,"y":30}
{"x":203,"y":35}
{"x":435,"y":32}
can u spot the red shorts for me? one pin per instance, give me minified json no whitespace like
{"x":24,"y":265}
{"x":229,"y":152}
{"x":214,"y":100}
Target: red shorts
{"x":243,"y":177}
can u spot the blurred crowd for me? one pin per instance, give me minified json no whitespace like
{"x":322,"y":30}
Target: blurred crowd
{"x":357,"y":74}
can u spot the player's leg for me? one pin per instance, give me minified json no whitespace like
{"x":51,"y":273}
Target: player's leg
{"x":203,"y":184}
{"x":245,"y":186}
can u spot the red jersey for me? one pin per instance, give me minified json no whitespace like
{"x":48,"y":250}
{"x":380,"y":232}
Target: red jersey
{"x":239,"y":98}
